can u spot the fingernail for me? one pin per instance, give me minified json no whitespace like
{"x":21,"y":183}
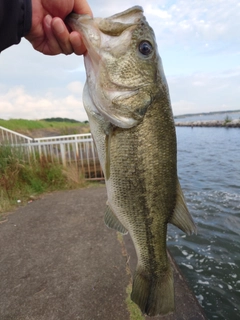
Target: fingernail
{"x":58,"y":25}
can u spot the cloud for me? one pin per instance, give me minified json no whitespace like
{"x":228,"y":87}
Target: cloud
{"x":204,"y":92}
{"x":75,"y":87}
{"x":18,"y":103}
{"x":198,"y":41}
{"x":195,"y":23}
{"x":183,"y":106}
{"x":22,"y":66}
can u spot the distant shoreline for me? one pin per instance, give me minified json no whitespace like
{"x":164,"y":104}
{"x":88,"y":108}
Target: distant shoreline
{"x":212,"y":113}
{"x":210,"y":123}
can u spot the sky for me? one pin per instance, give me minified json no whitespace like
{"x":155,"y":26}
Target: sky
{"x":198,"y":42}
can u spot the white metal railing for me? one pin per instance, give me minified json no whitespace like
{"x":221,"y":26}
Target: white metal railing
{"x":66,"y":137}
{"x":79,"y":149}
{"x":12,"y":137}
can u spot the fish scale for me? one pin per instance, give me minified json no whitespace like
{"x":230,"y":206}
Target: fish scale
{"x":127,"y":101}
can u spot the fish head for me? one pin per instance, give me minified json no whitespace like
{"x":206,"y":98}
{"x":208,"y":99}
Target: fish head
{"x":123,"y":67}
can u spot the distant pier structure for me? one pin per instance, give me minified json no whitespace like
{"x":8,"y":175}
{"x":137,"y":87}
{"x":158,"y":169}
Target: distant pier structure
{"x":210,"y":123}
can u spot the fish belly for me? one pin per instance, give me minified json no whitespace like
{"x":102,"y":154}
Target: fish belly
{"x":141,"y":190}
{"x":142,"y":194}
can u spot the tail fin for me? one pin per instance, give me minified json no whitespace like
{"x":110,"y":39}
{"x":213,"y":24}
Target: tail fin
{"x":153,"y":295}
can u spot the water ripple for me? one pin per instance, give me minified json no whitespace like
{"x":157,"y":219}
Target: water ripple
{"x":209,"y":171}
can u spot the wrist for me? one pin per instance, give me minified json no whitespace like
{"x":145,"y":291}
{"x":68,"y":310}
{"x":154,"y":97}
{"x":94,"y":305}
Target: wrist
{"x":27,"y":7}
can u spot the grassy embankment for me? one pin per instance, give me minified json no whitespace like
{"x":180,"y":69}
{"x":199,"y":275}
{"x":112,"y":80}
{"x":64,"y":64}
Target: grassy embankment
{"x":57,"y":126}
{"x":21,"y":181}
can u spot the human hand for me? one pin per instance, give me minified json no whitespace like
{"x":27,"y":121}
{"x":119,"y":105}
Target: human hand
{"x":49,"y":33}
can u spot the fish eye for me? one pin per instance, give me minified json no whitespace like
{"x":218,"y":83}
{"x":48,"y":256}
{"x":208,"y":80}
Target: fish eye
{"x":145,"y":48}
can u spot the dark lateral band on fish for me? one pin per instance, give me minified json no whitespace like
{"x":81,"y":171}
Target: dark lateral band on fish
{"x":126,"y":90}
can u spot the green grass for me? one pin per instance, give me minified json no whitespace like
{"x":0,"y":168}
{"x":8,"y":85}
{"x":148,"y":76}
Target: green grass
{"x":24,"y":180}
{"x":227,"y":119}
{"x":135,"y":313}
{"x":21,"y":180}
{"x":23,"y":124}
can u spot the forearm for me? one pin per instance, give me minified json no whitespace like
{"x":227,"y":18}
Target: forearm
{"x":15,"y":21}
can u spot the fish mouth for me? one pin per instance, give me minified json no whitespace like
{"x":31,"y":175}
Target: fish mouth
{"x":86,"y":25}
{"x":92,"y":28}
{"x":96,"y":33}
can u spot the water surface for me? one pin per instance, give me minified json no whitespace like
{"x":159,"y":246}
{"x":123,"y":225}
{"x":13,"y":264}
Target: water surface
{"x":209,"y":172}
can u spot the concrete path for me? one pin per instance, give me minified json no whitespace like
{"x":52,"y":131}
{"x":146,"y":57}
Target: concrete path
{"x":58,"y":261}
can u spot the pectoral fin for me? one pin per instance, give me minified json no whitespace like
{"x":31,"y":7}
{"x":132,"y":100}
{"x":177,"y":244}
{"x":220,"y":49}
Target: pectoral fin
{"x":112,"y":221}
{"x":181,"y":217}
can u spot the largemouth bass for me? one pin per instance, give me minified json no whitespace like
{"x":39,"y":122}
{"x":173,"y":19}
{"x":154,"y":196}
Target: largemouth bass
{"x":127,"y":101}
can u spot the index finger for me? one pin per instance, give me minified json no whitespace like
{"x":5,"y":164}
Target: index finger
{"x":82,"y":7}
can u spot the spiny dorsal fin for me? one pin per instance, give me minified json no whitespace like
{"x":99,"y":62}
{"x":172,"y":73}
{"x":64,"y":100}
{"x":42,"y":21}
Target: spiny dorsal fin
{"x":181,"y":217}
{"x":112,"y":221}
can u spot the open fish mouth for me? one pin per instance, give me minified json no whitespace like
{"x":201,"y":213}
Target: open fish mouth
{"x":110,"y":38}
{"x":100,"y":33}
{"x":93,"y":30}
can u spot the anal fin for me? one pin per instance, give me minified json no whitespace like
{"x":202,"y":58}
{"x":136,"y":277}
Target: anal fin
{"x":181,"y":217}
{"x":112,"y":221}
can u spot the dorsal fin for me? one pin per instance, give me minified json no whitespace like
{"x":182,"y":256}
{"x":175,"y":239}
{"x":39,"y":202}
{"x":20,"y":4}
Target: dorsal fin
{"x":181,"y":217}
